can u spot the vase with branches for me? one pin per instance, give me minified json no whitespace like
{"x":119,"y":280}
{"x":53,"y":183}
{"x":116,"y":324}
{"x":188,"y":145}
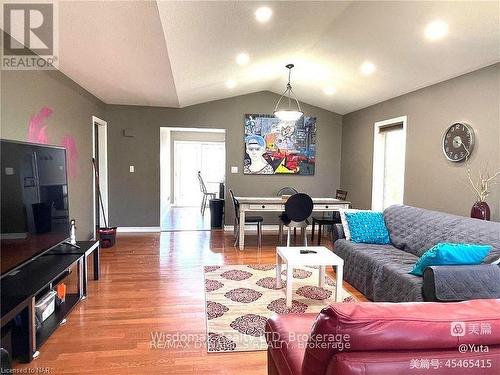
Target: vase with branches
{"x":481,"y":186}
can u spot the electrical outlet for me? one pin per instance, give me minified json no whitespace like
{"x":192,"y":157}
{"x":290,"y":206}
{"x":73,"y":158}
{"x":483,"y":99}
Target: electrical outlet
{"x":234,"y":169}
{"x":132,"y":169}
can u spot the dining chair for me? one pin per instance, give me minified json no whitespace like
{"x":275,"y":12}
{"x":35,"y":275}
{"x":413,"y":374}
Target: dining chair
{"x":335,"y":219}
{"x":298,"y":208}
{"x":206,"y":194}
{"x":286,"y":190}
{"x":253,"y":220}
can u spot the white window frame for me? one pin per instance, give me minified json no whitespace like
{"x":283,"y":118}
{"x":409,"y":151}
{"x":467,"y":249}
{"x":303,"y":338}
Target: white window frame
{"x":379,"y":160}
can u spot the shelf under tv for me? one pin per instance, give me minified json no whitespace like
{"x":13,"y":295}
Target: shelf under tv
{"x":21,"y":290}
{"x":54,"y":321}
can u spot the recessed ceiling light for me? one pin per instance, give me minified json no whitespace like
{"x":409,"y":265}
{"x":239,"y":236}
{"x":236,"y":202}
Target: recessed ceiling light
{"x":330,"y":90}
{"x":263,"y":14}
{"x":367,"y":68}
{"x":230,"y":84}
{"x":242,"y":58}
{"x":436,"y":30}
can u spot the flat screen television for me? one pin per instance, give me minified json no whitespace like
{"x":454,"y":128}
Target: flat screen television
{"x":34,"y":202}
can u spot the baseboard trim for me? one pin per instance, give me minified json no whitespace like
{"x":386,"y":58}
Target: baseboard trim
{"x":228,"y":228}
{"x":265,"y":228}
{"x":138,"y":229}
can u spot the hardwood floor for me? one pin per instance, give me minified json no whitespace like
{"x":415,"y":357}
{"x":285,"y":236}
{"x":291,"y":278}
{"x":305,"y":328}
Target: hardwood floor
{"x":185,"y":218}
{"x":152,"y":283}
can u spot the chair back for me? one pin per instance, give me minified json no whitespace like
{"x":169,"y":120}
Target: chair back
{"x":236,"y":205}
{"x":287,"y":190}
{"x":203,"y":188}
{"x":299,"y":207}
{"x":341,"y":194}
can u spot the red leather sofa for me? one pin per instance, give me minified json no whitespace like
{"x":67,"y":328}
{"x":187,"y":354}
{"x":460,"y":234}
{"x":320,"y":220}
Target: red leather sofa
{"x":387,"y":339}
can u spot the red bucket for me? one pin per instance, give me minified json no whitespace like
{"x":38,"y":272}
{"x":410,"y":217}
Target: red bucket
{"x":107,"y":236}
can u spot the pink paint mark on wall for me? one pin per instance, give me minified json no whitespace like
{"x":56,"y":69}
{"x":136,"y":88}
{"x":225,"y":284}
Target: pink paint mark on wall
{"x":69,"y":143}
{"x":37,"y":129}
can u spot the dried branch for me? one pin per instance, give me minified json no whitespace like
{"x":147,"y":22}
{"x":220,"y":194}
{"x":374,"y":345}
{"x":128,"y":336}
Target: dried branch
{"x":493,"y":177}
{"x":484,"y":180}
{"x":472,"y":182}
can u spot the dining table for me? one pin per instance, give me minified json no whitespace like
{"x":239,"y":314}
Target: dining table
{"x":277,"y":204}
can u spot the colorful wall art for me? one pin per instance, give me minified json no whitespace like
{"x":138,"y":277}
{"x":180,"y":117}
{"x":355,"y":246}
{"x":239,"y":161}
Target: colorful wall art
{"x":273,"y":146}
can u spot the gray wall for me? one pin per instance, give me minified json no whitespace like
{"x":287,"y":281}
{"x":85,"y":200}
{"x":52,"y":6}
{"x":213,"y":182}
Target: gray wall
{"x":430,"y":181}
{"x":23,"y":94}
{"x":135,"y":197}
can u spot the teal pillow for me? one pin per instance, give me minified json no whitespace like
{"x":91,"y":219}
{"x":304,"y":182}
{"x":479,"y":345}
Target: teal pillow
{"x":450,"y":254}
{"x":367,"y":227}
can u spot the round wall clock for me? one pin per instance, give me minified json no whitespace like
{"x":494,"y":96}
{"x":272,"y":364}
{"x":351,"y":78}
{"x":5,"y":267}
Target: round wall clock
{"x":458,"y":142}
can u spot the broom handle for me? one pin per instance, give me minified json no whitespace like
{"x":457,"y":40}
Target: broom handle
{"x":99,"y":193}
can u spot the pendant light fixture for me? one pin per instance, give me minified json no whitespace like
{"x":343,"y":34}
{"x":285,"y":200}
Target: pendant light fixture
{"x":288,"y":114}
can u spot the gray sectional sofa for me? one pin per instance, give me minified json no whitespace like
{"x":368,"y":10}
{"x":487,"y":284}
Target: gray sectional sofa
{"x":380,"y":272}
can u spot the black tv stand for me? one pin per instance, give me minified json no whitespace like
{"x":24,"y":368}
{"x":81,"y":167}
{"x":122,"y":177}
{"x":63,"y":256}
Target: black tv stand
{"x":21,"y":290}
{"x":71,"y":244}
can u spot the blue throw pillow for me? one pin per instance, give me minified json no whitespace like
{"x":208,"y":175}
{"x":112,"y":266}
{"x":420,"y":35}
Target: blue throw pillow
{"x":367,"y":227}
{"x":450,"y":254}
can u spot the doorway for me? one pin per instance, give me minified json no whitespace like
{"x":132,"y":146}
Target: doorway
{"x":389,"y":148}
{"x":191,"y":157}
{"x":184,"y":152}
{"x":100,"y":154}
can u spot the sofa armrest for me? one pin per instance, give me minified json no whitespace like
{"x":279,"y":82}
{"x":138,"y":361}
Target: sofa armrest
{"x":380,"y":326}
{"x":461,"y":283}
{"x":337,"y":232}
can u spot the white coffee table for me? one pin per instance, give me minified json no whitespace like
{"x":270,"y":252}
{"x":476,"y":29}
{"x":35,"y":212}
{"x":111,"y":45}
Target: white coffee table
{"x":323,"y":257}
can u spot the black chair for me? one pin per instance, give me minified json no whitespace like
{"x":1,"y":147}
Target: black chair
{"x":298,"y":208}
{"x":335,"y":219}
{"x":287,"y":190}
{"x":257,"y":220}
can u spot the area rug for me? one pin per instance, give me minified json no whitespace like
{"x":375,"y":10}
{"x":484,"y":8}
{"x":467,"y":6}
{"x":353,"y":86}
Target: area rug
{"x":239,"y":300}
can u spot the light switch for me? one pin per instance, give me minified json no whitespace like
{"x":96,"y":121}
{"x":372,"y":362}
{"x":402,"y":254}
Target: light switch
{"x":132,"y":169}
{"x":9,"y":171}
{"x":234,"y":169}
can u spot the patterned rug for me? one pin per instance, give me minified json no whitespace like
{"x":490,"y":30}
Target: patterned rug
{"x":239,"y":300}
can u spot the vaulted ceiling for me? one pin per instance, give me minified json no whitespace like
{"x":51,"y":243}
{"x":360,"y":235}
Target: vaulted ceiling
{"x":176,"y":54}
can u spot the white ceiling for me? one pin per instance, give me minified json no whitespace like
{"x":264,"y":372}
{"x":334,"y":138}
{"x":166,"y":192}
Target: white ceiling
{"x":175,"y":54}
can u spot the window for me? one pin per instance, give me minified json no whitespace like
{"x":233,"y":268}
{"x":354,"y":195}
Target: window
{"x":389,"y":148}
{"x":191,"y":157}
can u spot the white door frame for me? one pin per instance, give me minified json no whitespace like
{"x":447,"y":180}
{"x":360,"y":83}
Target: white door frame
{"x":165,"y":159}
{"x":378,"y":159}
{"x":103,"y":174}
{"x":174,"y":174}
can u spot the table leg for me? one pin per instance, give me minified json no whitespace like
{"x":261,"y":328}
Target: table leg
{"x":321,"y":280}
{"x":319,"y":233}
{"x":242,"y":229}
{"x":289,"y":278}
{"x":31,"y":344}
{"x":339,"y":270}
{"x":97,"y":262}
{"x":82,"y":277}
{"x":85,"y":275}
{"x":278,"y":271}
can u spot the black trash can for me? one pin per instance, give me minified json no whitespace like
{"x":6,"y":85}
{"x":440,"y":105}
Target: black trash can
{"x":216,"y":213}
